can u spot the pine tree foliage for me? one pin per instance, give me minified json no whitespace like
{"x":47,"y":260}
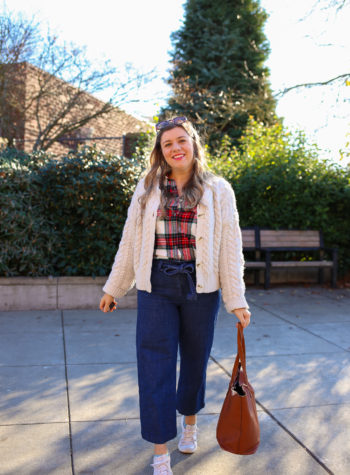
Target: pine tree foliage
{"x":218,"y":76}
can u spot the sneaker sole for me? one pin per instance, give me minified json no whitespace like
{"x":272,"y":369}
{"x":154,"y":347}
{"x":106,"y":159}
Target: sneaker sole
{"x":187,"y":451}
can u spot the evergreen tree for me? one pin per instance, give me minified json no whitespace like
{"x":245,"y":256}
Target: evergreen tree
{"x":218,"y":75}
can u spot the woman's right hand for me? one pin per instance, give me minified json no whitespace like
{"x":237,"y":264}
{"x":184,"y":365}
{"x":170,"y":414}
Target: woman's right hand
{"x":105,"y":303}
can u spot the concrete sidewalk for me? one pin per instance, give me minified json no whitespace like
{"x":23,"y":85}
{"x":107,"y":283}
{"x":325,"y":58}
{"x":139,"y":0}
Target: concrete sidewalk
{"x":69,"y":400}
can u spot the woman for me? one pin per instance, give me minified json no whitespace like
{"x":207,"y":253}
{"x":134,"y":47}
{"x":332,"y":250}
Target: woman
{"x":182,"y":244}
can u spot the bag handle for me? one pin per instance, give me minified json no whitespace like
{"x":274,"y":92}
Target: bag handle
{"x":241,"y":357}
{"x":241,"y":346}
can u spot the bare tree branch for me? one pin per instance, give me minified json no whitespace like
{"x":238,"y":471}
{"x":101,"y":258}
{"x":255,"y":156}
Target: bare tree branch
{"x":326,"y":5}
{"x":313,"y":84}
{"x":53,"y":83}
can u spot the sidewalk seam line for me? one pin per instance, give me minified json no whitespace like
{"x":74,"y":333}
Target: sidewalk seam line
{"x":67,"y":394}
{"x":306,"y":407}
{"x":281,"y":425}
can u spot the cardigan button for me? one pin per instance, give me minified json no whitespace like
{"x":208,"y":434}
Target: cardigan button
{"x":200,"y":286}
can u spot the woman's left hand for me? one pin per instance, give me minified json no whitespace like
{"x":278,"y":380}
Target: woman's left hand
{"x":243,"y":316}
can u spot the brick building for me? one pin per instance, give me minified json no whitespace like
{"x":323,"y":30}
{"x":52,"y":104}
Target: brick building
{"x":113,"y":132}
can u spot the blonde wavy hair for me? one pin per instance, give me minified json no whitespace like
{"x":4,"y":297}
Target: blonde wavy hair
{"x":158,"y":168}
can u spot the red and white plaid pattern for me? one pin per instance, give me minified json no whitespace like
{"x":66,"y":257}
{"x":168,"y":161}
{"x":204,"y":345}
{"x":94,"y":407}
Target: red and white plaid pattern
{"x":176,"y":233}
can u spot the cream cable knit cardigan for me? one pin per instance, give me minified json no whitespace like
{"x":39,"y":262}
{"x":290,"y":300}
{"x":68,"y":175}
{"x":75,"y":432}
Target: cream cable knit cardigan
{"x":219,"y":256}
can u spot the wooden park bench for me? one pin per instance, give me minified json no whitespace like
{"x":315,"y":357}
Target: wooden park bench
{"x":268,"y":241}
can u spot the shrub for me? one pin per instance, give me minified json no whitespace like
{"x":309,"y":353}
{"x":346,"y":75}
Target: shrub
{"x":280,"y":182}
{"x":63,"y":217}
{"x":26,"y":235}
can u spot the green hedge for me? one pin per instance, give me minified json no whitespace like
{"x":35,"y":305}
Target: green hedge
{"x":280,"y":182}
{"x":63,"y":216}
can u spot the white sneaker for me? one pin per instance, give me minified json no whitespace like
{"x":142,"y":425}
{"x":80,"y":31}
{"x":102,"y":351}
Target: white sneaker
{"x":161,"y":465}
{"x":188,"y":441}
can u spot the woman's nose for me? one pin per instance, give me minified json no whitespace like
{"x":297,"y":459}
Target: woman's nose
{"x":176,"y":146}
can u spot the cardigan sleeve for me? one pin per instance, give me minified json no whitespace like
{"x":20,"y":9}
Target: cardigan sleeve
{"x":231,"y":260}
{"x":122,"y":276}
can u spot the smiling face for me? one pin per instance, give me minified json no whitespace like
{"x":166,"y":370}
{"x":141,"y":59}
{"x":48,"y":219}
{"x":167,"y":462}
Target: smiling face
{"x":177,"y":149}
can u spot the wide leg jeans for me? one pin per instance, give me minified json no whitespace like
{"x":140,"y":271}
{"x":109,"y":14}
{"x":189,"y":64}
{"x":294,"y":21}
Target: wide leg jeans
{"x":172,"y":316}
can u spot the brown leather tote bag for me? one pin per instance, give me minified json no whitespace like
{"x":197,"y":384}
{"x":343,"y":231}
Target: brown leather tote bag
{"x":238,"y":429}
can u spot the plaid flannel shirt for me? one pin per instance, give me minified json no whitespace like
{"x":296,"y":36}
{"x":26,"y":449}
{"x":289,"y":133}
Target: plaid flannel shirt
{"x":176,"y":233}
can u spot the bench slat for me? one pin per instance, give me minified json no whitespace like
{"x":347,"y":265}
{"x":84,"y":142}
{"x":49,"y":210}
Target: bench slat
{"x":250,"y":245}
{"x":256,"y":264}
{"x":289,"y":244}
{"x":295,"y":232}
{"x":301,"y":264}
{"x":248,"y":238}
{"x":289,"y":238}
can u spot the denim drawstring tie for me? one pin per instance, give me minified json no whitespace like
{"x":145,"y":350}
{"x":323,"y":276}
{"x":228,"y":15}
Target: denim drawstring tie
{"x":181,"y":268}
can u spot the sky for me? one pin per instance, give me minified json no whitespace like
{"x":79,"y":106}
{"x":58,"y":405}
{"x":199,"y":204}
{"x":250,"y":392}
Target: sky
{"x":306,"y":46}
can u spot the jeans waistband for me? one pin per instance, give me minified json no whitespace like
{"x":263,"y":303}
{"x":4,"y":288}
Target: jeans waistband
{"x":172,"y":267}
